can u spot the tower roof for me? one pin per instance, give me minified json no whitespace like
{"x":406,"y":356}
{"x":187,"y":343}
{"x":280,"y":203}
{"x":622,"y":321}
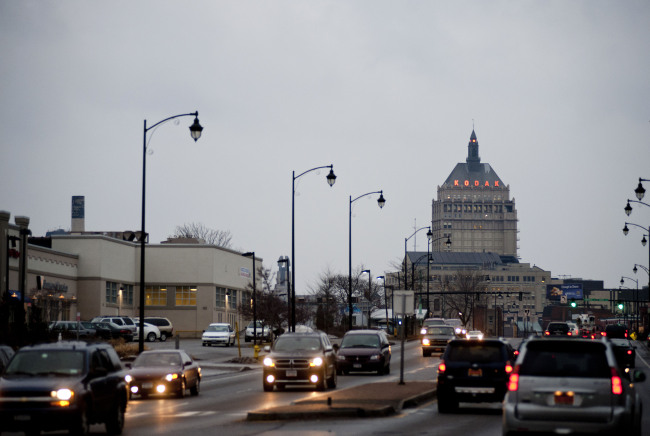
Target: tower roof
{"x":473,"y":172}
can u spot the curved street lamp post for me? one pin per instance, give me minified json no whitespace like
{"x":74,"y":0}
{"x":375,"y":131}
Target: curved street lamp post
{"x":195,"y":132}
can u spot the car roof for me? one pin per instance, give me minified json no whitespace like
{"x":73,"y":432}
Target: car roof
{"x":64,"y":345}
{"x":364,"y":332}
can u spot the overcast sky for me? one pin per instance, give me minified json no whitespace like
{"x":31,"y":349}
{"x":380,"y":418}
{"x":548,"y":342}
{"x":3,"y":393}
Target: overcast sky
{"x":386,"y":91}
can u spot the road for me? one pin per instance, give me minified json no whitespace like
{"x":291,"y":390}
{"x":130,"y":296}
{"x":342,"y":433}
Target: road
{"x":227,"y":397}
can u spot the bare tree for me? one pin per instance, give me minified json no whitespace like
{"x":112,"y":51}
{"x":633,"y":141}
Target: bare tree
{"x":220,"y":238}
{"x":467,"y":291}
{"x":270,"y":308}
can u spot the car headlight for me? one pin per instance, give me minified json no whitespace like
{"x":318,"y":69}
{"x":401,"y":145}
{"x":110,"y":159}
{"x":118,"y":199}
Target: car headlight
{"x":63,"y":394}
{"x":423,"y":331}
{"x":268,"y":362}
{"x":128,"y":378}
{"x":171,"y":377}
{"x":426,"y":341}
{"x":317,"y":361}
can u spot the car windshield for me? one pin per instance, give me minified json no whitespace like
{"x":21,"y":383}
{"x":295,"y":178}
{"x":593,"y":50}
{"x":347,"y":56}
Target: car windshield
{"x":47,"y":362}
{"x":441,"y":331}
{"x":217,"y":328}
{"x":360,"y":341}
{"x":292,"y":343}
{"x":252,"y":325}
{"x":475,"y":351}
{"x":157,"y":359}
{"x":565,"y":359}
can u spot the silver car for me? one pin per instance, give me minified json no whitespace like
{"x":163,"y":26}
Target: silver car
{"x":565,"y":386}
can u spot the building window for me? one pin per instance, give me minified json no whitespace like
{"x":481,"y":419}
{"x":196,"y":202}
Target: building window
{"x":185,"y":295}
{"x":232,"y":300}
{"x":220,"y":298}
{"x":127,"y":295}
{"x":111,"y":292}
{"x":155,"y":296}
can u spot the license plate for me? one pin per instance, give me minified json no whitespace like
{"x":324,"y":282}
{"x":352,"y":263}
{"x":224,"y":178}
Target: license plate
{"x":292,"y":373}
{"x":564,"y":398}
{"x":147,"y":385}
{"x":475,"y":372}
{"x":356,"y":365}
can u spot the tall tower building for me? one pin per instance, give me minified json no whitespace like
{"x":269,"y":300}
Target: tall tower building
{"x":474,"y":209}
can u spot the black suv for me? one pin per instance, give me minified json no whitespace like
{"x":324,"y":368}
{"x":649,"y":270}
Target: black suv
{"x":63,"y":385}
{"x":557,"y":329}
{"x":473,"y":371}
{"x":302,"y":359}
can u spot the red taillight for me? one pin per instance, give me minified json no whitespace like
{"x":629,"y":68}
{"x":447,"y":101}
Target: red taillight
{"x":568,"y":333}
{"x":603,"y":334}
{"x":513,"y":381}
{"x":617,"y":384}
{"x":442,"y":367}
{"x":508,"y":368}
{"x":547,"y":333}
{"x":629,"y":352}
{"x":516,"y":352}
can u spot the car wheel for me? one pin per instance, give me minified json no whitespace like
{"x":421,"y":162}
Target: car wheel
{"x":267,"y":387}
{"x":181,"y":391}
{"x":151,"y":337}
{"x":115,"y":422}
{"x":331,"y":382}
{"x":82,"y":426}
{"x":321,"y":386}
{"x":194,"y":390}
{"x":203,"y":344}
{"x":163,"y":337}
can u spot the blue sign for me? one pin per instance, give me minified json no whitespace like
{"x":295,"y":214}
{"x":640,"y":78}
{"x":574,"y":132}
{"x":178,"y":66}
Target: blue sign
{"x":556,"y":292}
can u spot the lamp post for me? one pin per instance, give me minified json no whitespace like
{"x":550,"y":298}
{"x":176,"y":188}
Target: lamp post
{"x":429,"y":236}
{"x":285,"y":260}
{"x":251,"y":254}
{"x":639,"y":192}
{"x":195,"y":132}
{"x":429,"y":259}
{"x":331,"y":178}
{"x":380,"y":202}
{"x":636,"y":299}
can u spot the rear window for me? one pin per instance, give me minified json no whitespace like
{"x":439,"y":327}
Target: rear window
{"x":570,"y":359}
{"x":558,"y":327}
{"x":475,"y":352}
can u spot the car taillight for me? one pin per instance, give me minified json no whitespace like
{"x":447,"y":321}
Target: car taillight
{"x":508,"y":368}
{"x":513,"y":381}
{"x":603,"y":334}
{"x":547,"y":333}
{"x":617,"y":384}
{"x":568,"y":334}
{"x":442,"y":368}
{"x":629,"y":352}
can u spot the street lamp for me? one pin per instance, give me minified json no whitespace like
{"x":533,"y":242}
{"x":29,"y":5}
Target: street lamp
{"x":331,"y":178}
{"x":429,"y":236}
{"x":251,"y":254}
{"x":195,"y":132}
{"x":285,"y":260}
{"x":380,"y":202}
{"x":636,"y":298}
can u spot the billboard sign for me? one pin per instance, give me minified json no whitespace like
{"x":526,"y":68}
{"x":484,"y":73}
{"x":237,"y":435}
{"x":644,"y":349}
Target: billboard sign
{"x":561,"y":293}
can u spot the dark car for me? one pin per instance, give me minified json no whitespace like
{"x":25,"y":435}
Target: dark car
{"x":300,"y":359}
{"x":364,"y":350}
{"x":6,"y":353}
{"x":163,"y":372}
{"x":108,"y":330}
{"x":435,"y":338}
{"x":571,"y":386}
{"x":63,"y":385}
{"x":618,"y":331}
{"x":72,"y":329}
{"x":474,"y":372}
{"x":625,"y":353}
{"x":557,"y":329}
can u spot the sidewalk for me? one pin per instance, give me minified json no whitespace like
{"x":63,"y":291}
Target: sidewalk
{"x":369,"y":400}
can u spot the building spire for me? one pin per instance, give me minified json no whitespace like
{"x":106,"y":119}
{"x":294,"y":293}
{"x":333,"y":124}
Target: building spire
{"x":472,"y":150}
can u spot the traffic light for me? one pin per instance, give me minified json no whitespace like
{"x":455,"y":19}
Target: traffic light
{"x":573,"y":303}
{"x":620,"y":305}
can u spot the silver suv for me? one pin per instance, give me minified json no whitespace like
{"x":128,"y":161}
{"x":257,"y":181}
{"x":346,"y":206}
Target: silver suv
{"x":564,"y":386}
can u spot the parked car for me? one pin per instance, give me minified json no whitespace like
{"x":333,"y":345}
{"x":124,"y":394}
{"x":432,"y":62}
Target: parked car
{"x":300,"y":359}
{"x":473,"y":371}
{"x":567,"y":386}
{"x":163,"y":372}
{"x":122,"y":321}
{"x":164,"y":325}
{"x":555,"y":328}
{"x":109,"y":330}
{"x":218,"y":333}
{"x":63,"y":385}
{"x":6,"y":353}
{"x":262,"y":331}
{"x":436,"y":338}
{"x":364,"y":350}
{"x":151,"y":332}
{"x":72,"y":329}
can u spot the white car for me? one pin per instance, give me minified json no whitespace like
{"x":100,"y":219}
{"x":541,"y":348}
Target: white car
{"x":573,"y":328}
{"x":475,"y":334}
{"x":218,"y":333}
{"x":262,"y":331}
{"x":151,"y":332}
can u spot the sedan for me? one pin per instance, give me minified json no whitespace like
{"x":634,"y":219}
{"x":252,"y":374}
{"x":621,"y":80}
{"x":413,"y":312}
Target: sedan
{"x":364,"y":350}
{"x":163,"y":372}
{"x":109,"y":330}
{"x":218,"y":333}
{"x":474,"y":334}
{"x":151,"y":332}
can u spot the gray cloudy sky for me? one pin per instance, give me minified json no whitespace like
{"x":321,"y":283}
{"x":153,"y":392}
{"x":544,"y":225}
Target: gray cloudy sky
{"x":387,"y":91}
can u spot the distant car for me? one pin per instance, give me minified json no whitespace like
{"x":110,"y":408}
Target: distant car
{"x":300,"y":359}
{"x":573,"y":328}
{"x":473,"y":371}
{"x":624,"y":352}
{"x":431,"y":321}
{"x":364,"y":350}
{"x":571,"y":386}
{"x":436,"y":339}
{"x":6,"y":353}
{"x":474,"y":334}
{"x":557,"y":329}
{"x":616,"y":331}
{"x":70,"y":329}
{"x":63,"y":386}
{"x":164,"y":325}
{"x":109,"y":330}
{"x":262,"y":331}
{"x":163,"y":372}
{"x":218,"y":333}
{"x":151,"y":332}
{"x":122,"y":321}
